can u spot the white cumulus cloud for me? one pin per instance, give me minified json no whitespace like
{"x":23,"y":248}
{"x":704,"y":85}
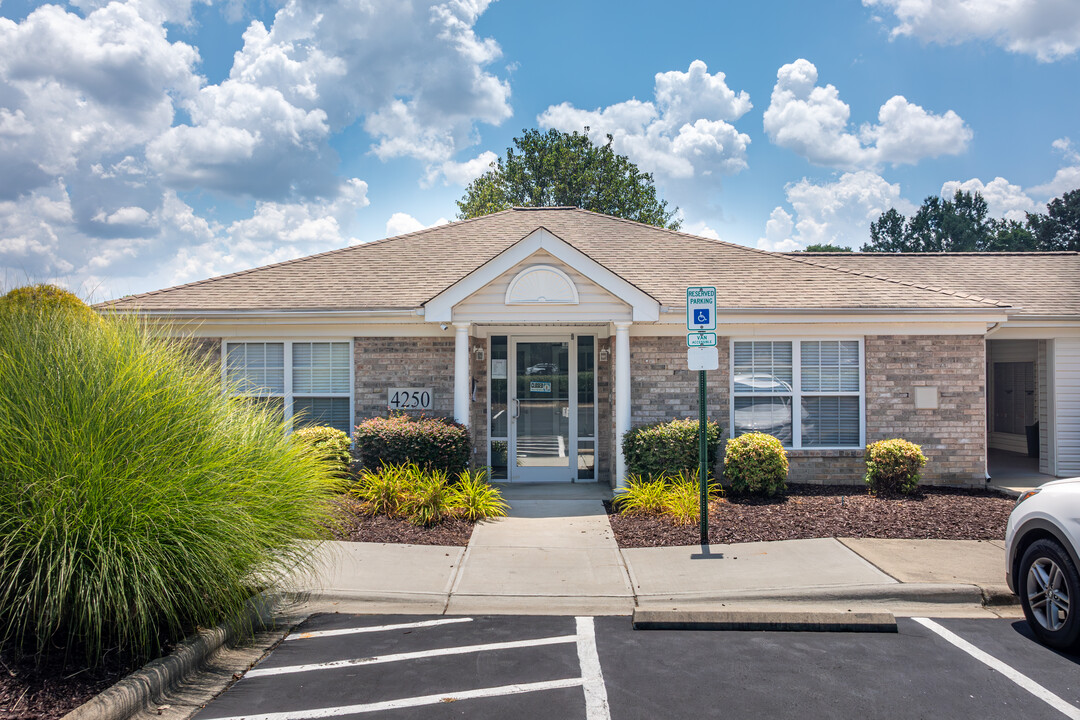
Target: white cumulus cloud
{"x":685,"y":132}
{"x":1047,"y":29}
{"x":1003,"y":198}
{"x":401,"y":223}
{"x":834,"y":213}
{"x":813,"y":121}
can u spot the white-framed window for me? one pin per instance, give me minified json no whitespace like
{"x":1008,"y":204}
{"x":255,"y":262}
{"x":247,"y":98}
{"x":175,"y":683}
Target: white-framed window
{"x":308,"y":381}
{"x":807,"y":393}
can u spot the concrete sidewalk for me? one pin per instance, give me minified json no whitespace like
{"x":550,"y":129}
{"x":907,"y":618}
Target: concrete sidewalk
{"x":558,"y":556}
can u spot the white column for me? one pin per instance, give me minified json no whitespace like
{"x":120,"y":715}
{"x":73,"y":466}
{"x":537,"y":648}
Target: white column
{"x":461,"y":373}
{"x":622,"y":397}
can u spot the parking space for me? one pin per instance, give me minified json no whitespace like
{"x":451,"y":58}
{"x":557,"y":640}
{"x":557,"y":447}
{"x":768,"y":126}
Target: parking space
{"x":424,"y":667}
{"x":346,"y":666}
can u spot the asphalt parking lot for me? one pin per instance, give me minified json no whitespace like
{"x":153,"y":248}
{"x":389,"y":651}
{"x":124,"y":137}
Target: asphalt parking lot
{"x":345,"y":666}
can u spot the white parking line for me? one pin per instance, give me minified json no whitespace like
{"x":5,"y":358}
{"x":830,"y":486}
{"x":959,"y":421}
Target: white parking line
{"x":1067,"y":709}
{"x":376,"y":628}
{"x":437,"y":652}
{"x":412,"y":702}
{"x":596,"y":702}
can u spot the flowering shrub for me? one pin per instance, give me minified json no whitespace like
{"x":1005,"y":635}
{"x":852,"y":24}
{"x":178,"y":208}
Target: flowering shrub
{"x":668,"y":448}
{"x":330,"y":444}
{"x":431,"y":443}
{"x":757,"y":464}
{"x":892,"y":466}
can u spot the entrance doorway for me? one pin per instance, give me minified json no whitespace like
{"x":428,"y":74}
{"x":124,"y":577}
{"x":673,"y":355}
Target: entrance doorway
{"x":543,"y":409}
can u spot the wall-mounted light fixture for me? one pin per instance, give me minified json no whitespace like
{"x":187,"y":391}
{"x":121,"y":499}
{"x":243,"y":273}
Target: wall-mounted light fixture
{"x":604,"y":354}
{"x":443,"y":326}
{"x":479,"y":353}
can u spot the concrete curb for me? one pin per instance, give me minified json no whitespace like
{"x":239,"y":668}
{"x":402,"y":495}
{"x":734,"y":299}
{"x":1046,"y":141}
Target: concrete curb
{"x":138,"y":690}
{"x":784,"y":621}
{"x":937,"y":593}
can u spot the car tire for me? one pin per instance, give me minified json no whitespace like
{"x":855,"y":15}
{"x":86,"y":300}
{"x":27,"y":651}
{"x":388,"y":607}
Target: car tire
{"x":1049,"y":589}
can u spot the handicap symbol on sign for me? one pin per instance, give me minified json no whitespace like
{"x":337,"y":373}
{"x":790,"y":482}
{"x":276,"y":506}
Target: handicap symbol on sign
{"x":701,"y":317}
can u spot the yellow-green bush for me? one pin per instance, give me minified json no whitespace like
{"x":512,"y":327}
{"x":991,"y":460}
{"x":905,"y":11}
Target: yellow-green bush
{"x":45,"y":297}
{"x":756,"y":464}
{"x":892,"y":466}
{"x":426,"y":496}
{"x":329,"y":444}
{"x":674,"y":496}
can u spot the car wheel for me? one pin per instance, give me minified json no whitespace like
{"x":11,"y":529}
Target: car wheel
{"x":1049,"y":586}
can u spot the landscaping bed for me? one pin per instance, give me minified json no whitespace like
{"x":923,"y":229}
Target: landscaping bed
{"x":355,"y":525}
{"x":50,"y":691}
{"x":815,"y":511}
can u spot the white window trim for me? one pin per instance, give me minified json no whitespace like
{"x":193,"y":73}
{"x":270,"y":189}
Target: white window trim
{"x":288,"y":394}
{"x":797,"y":393}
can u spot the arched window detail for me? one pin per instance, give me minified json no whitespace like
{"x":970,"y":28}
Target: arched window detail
{"x":541,"y":285}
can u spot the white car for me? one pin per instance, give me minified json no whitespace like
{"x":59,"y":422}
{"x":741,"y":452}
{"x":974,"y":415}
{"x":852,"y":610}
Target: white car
{"x":1042,"y":542}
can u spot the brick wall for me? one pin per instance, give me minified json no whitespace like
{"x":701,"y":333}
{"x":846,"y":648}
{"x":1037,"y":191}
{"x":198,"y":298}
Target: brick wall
{"x":953,"y":437}
{"x":207,"y":350}
{"x":383,"y":363}
{"x":663,"y":388}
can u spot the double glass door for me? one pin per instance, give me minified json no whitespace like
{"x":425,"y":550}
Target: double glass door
{"x":542,"y":408}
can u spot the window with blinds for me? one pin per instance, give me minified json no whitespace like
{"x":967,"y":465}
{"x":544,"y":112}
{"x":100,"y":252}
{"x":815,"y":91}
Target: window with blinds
{"x":311,"y":382}
{"x":806,"y":393}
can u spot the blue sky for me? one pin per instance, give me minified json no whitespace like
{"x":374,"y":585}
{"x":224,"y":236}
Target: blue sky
{"x":153,"y":142}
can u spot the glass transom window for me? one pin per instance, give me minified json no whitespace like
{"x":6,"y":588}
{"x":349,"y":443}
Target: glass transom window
{"x":806,"y":393}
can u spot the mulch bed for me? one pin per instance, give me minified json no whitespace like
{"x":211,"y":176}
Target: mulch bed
{"x":52,"y":690}
{"x":357,"y":526}
{"x":816,"y":511}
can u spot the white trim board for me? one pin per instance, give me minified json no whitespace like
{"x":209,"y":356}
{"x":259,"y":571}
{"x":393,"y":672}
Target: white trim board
{"x":441,"y":307}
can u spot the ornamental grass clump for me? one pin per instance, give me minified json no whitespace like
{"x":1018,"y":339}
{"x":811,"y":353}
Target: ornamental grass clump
{"x":892,"y":467}
{"x":668,"y":448}
{"x":430,"y":442}
{"x":425,"y":496}
{"x":756,"y":464}
{"x":137,"y":501}
{"x":674,"y":496}
{"x":330,"y":444}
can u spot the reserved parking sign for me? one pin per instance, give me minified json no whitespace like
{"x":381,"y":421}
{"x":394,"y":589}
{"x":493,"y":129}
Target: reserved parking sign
{"x":701,"y":308}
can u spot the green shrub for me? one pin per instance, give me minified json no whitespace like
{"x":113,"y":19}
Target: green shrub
{"x":668,"y":448}
{"x":475,"y":499}
{"x":892,"y":466}
{"x":329,"y":444}
{"x":435,"y":443}
{"x":137,"y":501}
{"x":756,"y":464}
{"x":45,"y":297}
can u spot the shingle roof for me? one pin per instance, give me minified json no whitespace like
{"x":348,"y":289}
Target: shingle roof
{"x":408,"y":270}
{"x":1038,"y":283}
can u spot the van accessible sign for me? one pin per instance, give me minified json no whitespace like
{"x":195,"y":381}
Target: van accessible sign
{"x":700,"y":308}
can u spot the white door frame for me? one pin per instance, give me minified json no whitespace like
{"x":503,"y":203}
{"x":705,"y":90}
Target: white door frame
{"x":554,"y":474}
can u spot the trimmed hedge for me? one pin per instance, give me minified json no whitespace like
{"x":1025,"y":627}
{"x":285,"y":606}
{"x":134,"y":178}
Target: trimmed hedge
{"x":669,"y":448}
{"x":329,"y":444}
{"x":430,"y":442}
{"x":756,"y":464}
{"x":892,"y":466}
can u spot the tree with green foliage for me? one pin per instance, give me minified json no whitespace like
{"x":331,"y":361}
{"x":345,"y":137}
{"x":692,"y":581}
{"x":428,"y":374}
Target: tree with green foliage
{"x":554,"y":168}
{"x":1059,"y":229}
{"x":962,"y":225}
{"x":826,"y":247}
{"x":957,"y":225}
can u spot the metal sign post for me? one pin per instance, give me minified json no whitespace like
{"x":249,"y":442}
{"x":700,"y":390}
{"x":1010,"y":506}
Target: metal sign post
{"x":701,"y":355}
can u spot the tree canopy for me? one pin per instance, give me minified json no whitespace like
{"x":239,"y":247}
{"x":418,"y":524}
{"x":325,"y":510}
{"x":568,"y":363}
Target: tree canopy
{"x":962,"y":224}
{"x":826,"y":247}
{"x":554,"y":168}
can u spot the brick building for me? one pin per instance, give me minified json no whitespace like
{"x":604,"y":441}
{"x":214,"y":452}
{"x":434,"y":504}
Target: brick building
{"x":552,"y":331}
